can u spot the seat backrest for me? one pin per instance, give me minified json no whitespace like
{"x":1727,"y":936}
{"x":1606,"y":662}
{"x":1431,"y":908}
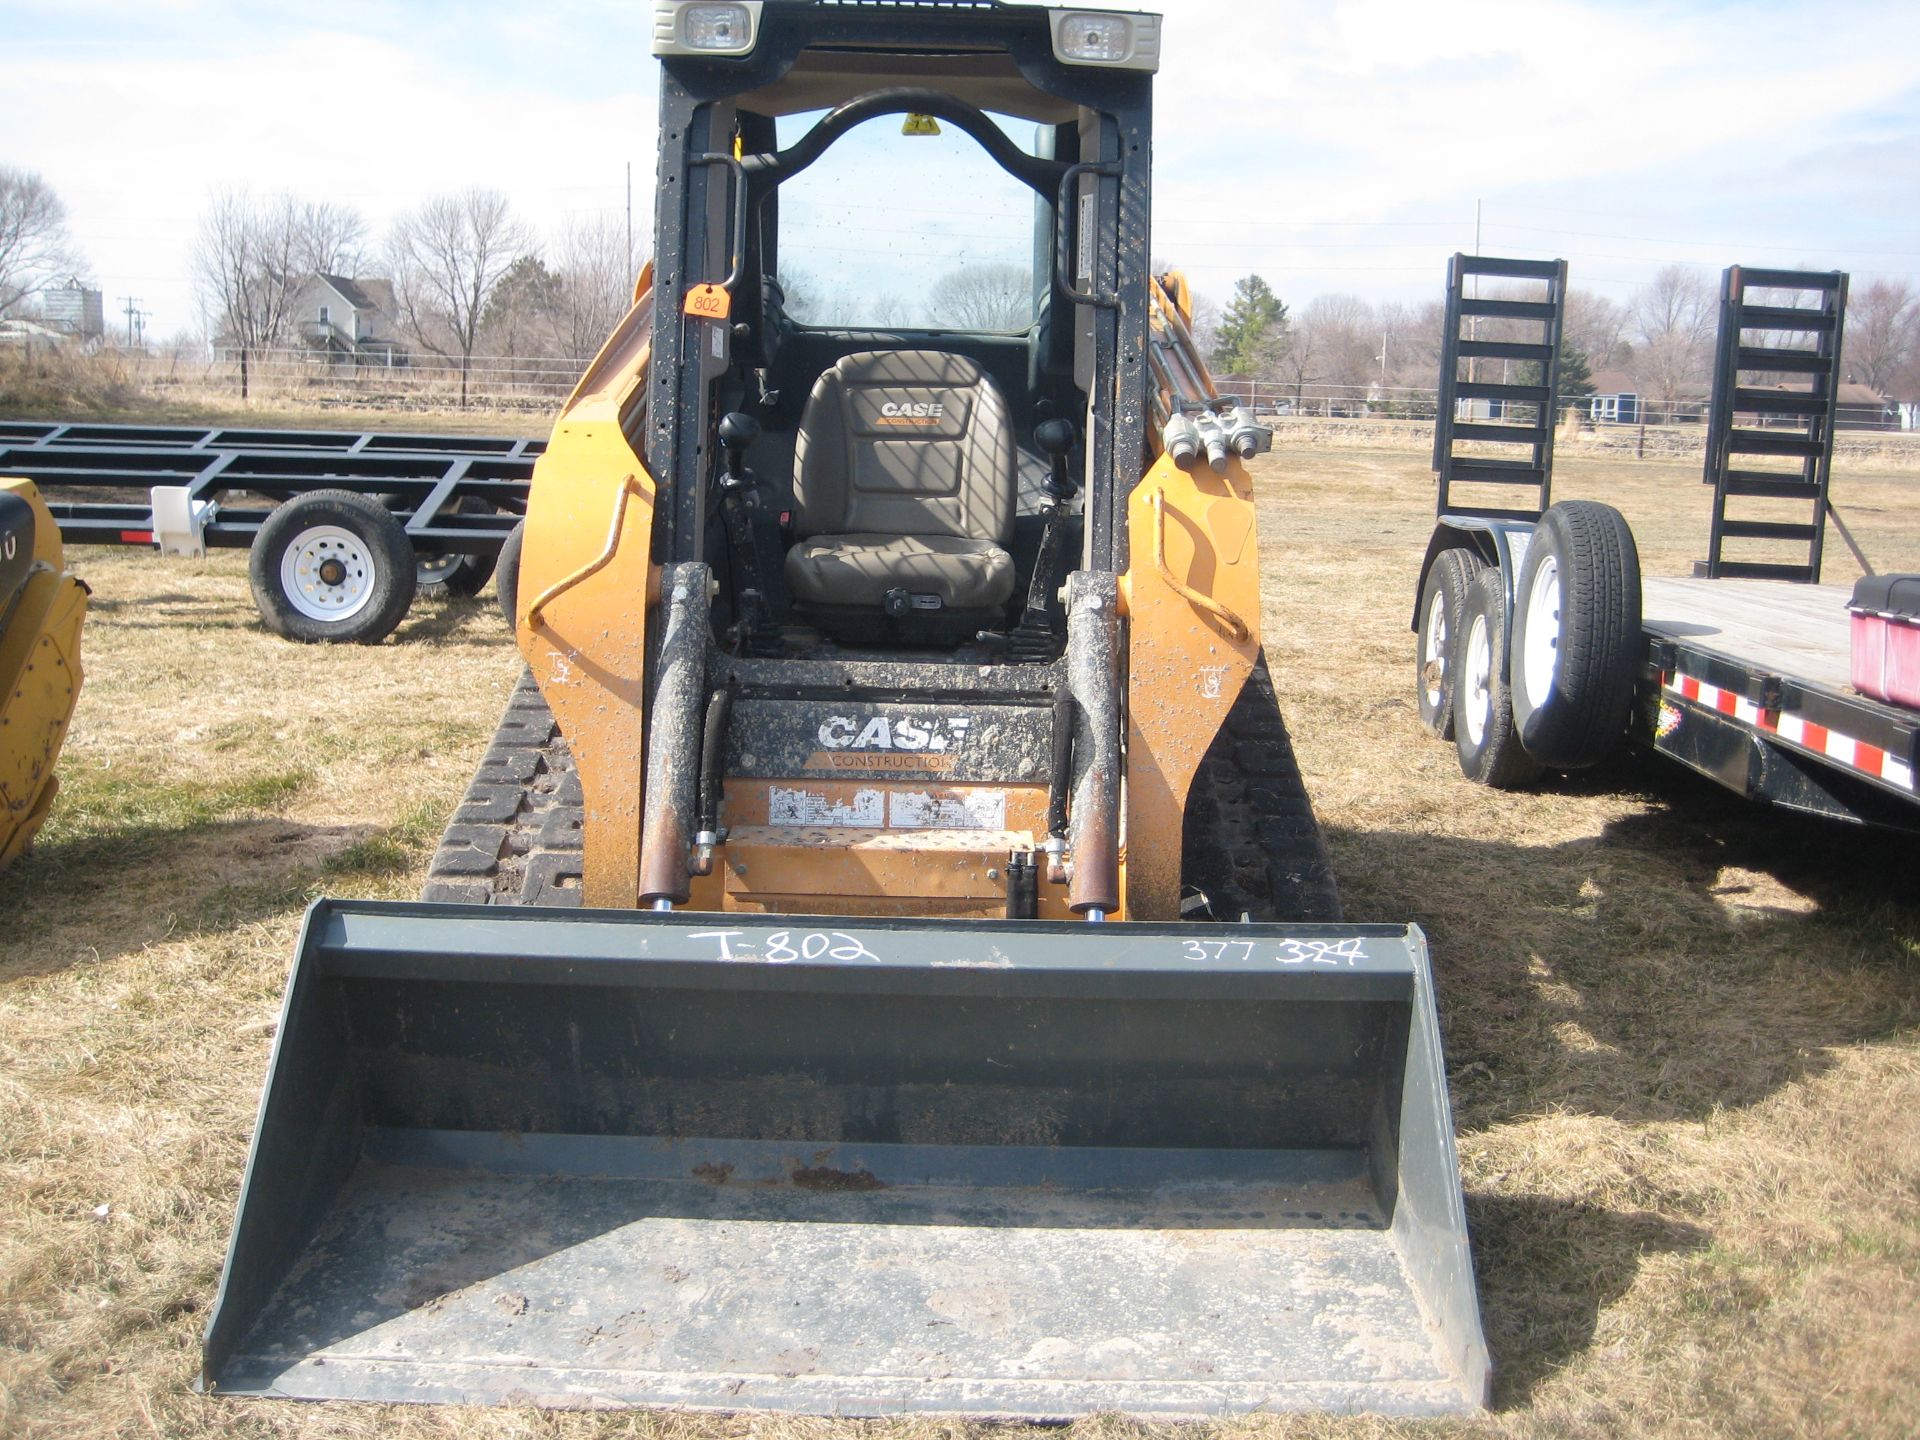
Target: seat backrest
{"x":905,"y":442}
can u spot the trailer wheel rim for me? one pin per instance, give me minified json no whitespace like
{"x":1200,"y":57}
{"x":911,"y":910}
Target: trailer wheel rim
{"x":432,"y":569}
{"x":1540,"y":643}
{"x":1478,"y":680}
{"x":327,"y":573}
{"x":1433,"y":654}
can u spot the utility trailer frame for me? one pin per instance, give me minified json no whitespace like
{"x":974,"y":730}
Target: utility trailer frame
{"x":422,"y":478}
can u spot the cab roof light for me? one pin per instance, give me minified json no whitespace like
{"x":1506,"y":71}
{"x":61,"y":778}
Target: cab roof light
{"x":1109,"y":39}
{"x":705,"y":28}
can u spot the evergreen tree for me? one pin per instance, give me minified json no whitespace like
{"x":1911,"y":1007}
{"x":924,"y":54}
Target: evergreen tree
{"x":1254,"y":318}
{"x":1576,"y":376}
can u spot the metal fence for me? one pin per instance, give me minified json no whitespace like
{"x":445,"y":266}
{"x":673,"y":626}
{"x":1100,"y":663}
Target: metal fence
{"x":540,"y":383}
{"x":430,"y":381}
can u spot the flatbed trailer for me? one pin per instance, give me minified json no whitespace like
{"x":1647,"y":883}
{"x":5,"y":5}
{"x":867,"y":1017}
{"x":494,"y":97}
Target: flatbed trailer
{"x":454,"y":502}
{"x":1542,"y":647}
{"x":1748,"y":683}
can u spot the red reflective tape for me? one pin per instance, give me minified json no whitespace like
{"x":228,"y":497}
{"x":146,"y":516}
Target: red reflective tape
{"x":1726,"y":702}
{"x":1689,"y":688}
{"x":1870,"y":758}
{"x":136,"y":537}
{"x":1815,"y":738}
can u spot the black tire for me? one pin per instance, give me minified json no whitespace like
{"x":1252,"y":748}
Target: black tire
{"x":1250,"y":844}
{"x":332,"y":565}
{"x":1576,"y":635}
{"x":506,"y":574}
{"x":464,"y":575}
{"x":1442,"y":600}
{"x":1483,"y":728}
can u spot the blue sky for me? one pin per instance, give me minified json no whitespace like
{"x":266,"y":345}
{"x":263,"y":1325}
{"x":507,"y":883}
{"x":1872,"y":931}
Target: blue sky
{"x":1331,"y":147}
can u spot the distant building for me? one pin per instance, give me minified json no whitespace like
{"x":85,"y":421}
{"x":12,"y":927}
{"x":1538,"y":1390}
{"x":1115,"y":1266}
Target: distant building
{"x":347,"y":322}
{"x":75,"y":311}
{"x":1861,"y":407}
{"x":1615,"y":399}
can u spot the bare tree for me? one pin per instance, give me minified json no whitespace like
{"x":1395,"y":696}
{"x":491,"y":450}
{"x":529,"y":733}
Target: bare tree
{"x":329,"y":239}
{"x":983,"y":297}
{"x":1673,"y":320}
{"x":448,"y":256}
{"x":35,"y":248}
{"x":245,"y":267}
{"x":596,"y":281}
{"x":1344,"y":335}
{"x":1596,"y":327}
{"x":1883,"y":333}
{"x":1292,"y":353}
{"x":1206,"y":323}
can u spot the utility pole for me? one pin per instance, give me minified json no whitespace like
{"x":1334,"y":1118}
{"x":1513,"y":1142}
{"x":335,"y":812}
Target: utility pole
{"x":132,"y":312}
{"x":629,"y":222}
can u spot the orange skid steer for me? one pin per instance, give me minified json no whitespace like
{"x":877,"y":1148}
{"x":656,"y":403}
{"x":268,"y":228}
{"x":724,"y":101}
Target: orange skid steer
{"x":886,"y":961}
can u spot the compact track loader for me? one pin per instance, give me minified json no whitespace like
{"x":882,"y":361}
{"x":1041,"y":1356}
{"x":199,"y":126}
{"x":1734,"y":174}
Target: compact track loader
{"x":887,"y":961}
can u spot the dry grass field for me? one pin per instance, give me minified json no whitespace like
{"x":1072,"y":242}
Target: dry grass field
{"x":1681,"y":1030}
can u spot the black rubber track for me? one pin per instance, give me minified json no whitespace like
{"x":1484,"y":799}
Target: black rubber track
{"x":1251,"y":844}
{"x":515,"y":840}
{"x":1585,"y":716}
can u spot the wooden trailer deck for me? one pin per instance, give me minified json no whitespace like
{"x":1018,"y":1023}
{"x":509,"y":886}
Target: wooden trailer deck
{"x":1789,"y":629}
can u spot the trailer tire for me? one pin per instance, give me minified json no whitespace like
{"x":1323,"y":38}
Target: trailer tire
{"x":1576,"y":635}
{"x":332,"y":566}
{"x":463,"y":575}
{"x":1442,"y":601}
{"x":506,"y":575}
{"x":1484,"y":733}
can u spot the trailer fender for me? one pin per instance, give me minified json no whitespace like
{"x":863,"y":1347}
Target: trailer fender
{"x":1500,"y":544}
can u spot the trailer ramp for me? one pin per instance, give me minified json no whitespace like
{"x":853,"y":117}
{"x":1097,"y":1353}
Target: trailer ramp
{"x":1016,"y":1169}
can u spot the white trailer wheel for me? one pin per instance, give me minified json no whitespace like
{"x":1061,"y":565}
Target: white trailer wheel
{"x":1484,"y":732}
{"x":332,"y":565}
{"x":1433,"y":654}
{"x":1443,"y":599}
{"x":1476,"y":704}
{"x":327,"y":573}
{"x":1540,"y":639}
{"x":1577,"y":641}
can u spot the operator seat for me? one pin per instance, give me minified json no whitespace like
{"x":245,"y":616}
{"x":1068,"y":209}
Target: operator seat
{"x":904,"y":484}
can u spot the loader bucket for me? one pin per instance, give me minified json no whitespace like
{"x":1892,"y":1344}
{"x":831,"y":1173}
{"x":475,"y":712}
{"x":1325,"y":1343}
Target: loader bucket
{"x":1001,"y":1169}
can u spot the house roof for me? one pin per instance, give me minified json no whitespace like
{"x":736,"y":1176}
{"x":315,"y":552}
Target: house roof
{"x":348,"y":291}
{"x":1613,"y":382}
{"x":1861,"y":395}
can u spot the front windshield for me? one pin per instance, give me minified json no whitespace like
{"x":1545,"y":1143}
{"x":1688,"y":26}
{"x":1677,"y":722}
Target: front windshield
{"x":892,"y":230}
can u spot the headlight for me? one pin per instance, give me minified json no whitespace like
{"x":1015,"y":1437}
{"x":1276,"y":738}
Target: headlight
{"x":1093,"y":37}
{"x":705,"y":29}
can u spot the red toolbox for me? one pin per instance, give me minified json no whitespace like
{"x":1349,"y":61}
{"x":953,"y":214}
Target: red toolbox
{"x":1886,"y":638}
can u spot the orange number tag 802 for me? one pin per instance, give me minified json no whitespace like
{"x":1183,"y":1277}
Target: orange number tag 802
{"x":709,"y":302}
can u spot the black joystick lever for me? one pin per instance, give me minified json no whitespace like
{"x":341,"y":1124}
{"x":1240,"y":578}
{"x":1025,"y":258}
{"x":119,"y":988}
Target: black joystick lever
{"x":737,"y":432}
{"x":757,"y":605}
{"x":1055,"y":439}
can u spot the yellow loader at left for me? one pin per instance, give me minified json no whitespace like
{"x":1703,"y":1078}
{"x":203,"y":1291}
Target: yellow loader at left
{"x":42,"y":605}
